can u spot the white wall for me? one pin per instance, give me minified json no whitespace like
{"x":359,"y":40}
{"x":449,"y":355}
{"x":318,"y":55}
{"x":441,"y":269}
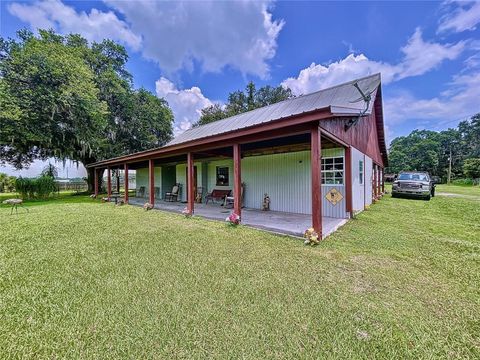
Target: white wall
{"x":358,"y":189}
{"x":368,"y":180}
{"x":181,"y":176}
{"x":286,"y":178}
{"x":141,"y":179}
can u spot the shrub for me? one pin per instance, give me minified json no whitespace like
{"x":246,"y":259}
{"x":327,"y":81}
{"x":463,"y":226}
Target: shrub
{"x":471,"y":168}
{"x":30,"y":188}
{"x":463,"y":182}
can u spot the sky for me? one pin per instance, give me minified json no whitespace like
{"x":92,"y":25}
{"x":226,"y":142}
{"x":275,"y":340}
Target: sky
{"x":193,"y":53}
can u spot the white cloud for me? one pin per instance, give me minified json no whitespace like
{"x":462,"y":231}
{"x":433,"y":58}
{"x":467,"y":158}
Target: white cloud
{"x":186,"y":104}
{"x":422,"y":56}
{"x":459,"y":101}
{"x":94,"y":26}
{"x":461,"y":16}
{"x":317,"y":76}
{"x":419,"y":57}
{"x":70,"y":169}
{"x":214,"y":34}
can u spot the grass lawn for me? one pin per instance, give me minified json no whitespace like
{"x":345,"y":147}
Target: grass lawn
{"x":459,"y":190}
{"x":82,"y":279}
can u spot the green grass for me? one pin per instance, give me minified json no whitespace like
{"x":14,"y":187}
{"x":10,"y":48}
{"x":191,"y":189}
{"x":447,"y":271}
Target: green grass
{"x":459,"y":189}
{"x":82,"y":279}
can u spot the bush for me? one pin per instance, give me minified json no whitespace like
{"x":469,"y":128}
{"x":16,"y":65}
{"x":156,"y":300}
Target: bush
{"x":471,"y":168}
{"x":463,"y":182}
{"x":7,"y":183}
{"x":30,"y":188}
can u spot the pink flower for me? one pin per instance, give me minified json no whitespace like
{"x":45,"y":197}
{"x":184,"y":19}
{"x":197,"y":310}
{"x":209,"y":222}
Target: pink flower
{"x":233,"y":219}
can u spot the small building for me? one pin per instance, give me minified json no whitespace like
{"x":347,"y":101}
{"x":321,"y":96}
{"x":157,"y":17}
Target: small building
{"x":318,"y":157}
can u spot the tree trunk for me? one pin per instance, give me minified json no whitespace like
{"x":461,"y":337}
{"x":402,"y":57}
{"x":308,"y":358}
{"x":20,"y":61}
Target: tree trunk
{"x":91,"y":180}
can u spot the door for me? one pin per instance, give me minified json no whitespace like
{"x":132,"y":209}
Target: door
{"x":169,"y":178}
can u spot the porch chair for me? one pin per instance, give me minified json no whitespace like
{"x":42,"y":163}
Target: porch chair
{"x":229,"y":200}
{"x":172,"y":195}
{"x":140,"y":192}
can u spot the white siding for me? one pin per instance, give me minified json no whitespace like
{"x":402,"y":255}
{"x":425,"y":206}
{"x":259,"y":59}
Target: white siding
{"x":212,"y":174}
{"x":339,"y":209}
{"x":141,"y":179}
{"x":368,"y":180}
{"x":358,"y":187}
{"x":182,"y":178}
{"x":286,"y":178}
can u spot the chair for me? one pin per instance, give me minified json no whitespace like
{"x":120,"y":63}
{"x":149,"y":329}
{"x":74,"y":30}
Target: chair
{"x":172,"y":195}
{"x":229,"y":200}
{"x":140,"y":192}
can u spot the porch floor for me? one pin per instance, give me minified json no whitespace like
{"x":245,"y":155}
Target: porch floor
{"x":275,"y":221}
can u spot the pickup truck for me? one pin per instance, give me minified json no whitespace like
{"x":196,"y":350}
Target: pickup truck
{"x":413,"y":184}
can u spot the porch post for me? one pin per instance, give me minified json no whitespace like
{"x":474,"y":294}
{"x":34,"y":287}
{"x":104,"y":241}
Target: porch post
{"x":151,"y":182}
{"x":125,"y":181}
{"x":109,"y":182}
{"x":117,"y":178}
{"x":95,"y":182}
{"x":237,"y":182}
{"x":348,"y":181}
{"x":378,"y":182}
{"x":190,"y":190}
{"x":374,"y":183}
{"x":383,"y":180}
{"x":316,"y":157}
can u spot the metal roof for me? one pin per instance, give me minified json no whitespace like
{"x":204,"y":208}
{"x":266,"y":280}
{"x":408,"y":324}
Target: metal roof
{"x":342,"y":99}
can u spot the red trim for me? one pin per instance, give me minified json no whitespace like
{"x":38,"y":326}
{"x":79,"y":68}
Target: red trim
{"x":237,"y":182}
{"x":151,"y":182}
{"x":348,"y":181}
{"x":95,"y":181}
{"x":316,"y":157}
{"x":109,"y":183}
{"x":125,"y":181}
{"x":383,"y":181}
{"x":191,"y":184}
{"x":226,"y":139}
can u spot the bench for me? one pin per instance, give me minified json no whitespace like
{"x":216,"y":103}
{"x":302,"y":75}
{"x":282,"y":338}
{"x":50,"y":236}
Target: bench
{"x":217,"y":194}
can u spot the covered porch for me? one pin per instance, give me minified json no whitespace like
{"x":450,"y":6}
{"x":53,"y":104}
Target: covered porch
{"x":275,"y":221}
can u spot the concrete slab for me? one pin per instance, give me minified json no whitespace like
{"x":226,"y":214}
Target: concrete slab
{"x":274,"y":221}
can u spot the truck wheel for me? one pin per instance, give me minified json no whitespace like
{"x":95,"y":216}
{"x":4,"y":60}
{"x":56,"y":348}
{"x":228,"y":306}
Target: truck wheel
{"x":427,"y":198}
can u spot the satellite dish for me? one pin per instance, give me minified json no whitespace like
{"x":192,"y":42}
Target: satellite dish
{"x":365,"y":97}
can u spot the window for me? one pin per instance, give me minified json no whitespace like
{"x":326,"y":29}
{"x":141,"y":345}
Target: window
{"x":222,"y":176}
{"x":360,"y":171}
{"x":332,"y":170}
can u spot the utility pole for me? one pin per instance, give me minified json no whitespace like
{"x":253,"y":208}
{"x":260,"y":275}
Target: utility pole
{"x":449,"y":167}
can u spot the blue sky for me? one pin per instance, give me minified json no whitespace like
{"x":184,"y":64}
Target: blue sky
{"x":195,"y":53}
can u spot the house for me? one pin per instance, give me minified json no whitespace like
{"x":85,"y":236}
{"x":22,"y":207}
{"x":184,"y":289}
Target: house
{"x":319,"y":158}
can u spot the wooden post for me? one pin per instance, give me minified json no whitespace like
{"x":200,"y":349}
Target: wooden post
{"x":191,"y":184}
{"x":237,"y":182}
{"x":316,"y":158}
{"x":109,"y":183}
{"x":374,"y":183}
{"x":379,"y":195}
{"x":95,"y":181}
{"x":383,"y":180}
{"x":151,"y":182}
{"x":348,"y":181}
{"x":117,"y":178}
{"x":125,"y":181}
